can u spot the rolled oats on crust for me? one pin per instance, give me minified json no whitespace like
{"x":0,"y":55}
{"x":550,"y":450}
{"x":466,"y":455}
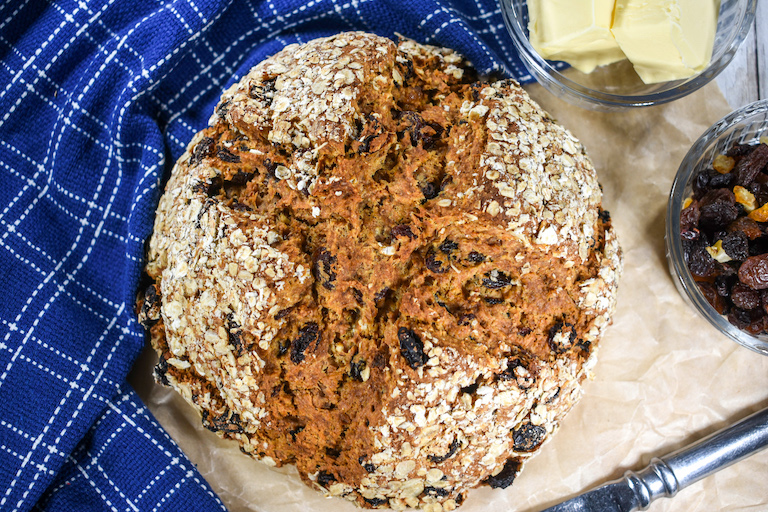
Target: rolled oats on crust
{"x":377,"y":268}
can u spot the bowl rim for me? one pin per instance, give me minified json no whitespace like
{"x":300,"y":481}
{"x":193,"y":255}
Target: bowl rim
{"x":681,"y":275}
{"x":560,"y":85}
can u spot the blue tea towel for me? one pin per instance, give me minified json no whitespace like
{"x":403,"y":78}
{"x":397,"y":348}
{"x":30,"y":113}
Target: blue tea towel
{"x":98,"y":98}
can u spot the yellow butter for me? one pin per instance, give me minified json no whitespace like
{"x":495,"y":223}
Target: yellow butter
{"x":575,"y":31}
{"x":666,"y":39}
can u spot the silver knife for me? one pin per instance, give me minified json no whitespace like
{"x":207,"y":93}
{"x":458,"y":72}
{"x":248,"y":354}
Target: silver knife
{"x":664,"y":476}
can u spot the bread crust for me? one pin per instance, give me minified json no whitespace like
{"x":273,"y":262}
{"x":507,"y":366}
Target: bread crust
{"x":376,"y":268}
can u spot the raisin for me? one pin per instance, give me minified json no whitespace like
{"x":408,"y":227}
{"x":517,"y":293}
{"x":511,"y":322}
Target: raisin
{"x":381,"y":294}
{"x":438,"y":459}
{"x":283,"y":312}
{"x":744,"y":297}
{"x":753,"y":272}
{"x":448,"y":246}
{"x":728,"y":269}
{"x":324,"y":478}
{"x":238,"y":206}
{"x":495,"y":280}
{"x":433,"y":264}
{"x":690,"y":235}
{"x":723,"y":285}
{"x":402,"y":230}
{"x":295,"y":431}
{"x":472,"y":388}
{"x":203,"y":149}
{"x":701,"y":262}
{"x":307,"y":335}
{"x":736,"y":245}
{"x":270,"y":166}
{"x":223,"y":108}
{"x":492,"y":301}
{"x":356,"y":368}
{"x":759,"y":188}
{"x":715,"y":300}
{"x":718,"y":215}
{"x":411,"y":347}
{"x":506,"y":476}
{"x":740,"y":318}
{"x":263,"y":91}
{"x":689,"y":218}
{"x":476,"y":257}
{"x":436,"y":491}
{"x":700,"y":183}
{"x":745,"y":225}
{"x":160,"y":371}
{"x":717,"y":196}
{"x":150,"y":307}
{"x":235,"y":335}
{"x":466,"y":318}
{"x":322,"y":268}
{"x":750,"y":165}
{"x":240,"y":178}
{"x":430,"y":190}
{"x":718,"y":180}
{"x":719,"y":235}
{"x":758,"y":246}
{"x":227,"y":156}
{"x":421,"y":132}
{"x":528,"y":437}
{"x":370,"y":468}
{"x":365,"y":144}
{"x":739,"y":150}
{"x":604,"y":216}
{"x":376,"y":502}
{"x":406,"y":69}
{"x":358,"y":295}
{"x":562,"y":343}
{"x":225,"y":422}
{"x":759,"y":323}
{"x":510,"y":372}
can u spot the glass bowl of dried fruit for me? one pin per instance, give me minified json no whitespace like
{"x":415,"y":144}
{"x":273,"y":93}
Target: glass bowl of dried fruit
{"x":610,"y":55}
{"x":717,"y":226}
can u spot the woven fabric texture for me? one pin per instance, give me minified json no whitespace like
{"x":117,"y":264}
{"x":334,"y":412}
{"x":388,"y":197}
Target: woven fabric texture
{"x":98,"y":98}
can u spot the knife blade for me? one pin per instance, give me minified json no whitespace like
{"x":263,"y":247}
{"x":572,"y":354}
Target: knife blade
{"x":665,"y":476}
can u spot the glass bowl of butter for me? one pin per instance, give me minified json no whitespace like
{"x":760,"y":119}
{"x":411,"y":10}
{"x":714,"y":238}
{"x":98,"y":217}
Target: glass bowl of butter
{"x":626,"y":53}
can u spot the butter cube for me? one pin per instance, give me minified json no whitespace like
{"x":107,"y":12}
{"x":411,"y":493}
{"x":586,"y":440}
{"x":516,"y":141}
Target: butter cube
{"x":666,"y":39}
{"x":575,"y":31}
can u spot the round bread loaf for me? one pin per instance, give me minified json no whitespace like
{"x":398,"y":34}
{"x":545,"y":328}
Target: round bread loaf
{"x":376,"y":268}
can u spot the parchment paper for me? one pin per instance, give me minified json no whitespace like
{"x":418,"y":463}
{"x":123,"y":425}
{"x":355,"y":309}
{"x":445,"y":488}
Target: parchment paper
{"x":665,"y":378}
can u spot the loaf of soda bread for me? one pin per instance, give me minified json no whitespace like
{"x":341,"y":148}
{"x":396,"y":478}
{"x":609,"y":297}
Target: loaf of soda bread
{"x":380,"y":269}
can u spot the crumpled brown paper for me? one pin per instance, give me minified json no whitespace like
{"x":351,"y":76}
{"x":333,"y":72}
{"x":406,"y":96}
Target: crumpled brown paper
{"x":665,"y":377}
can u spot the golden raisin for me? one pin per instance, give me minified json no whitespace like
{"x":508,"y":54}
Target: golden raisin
{"x":745,"y":197}
{"x":717,"y":252}
{"x":723,"y":164}
{"x":760,"y":215}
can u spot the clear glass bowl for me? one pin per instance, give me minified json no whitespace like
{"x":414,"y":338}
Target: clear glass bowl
{"x":744,"y":126}
{"x":617,"y":86}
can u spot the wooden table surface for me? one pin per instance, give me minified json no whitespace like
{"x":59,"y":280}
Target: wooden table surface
{"x":746,"y":78}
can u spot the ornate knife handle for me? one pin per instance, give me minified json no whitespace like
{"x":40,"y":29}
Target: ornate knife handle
{"x":667,"y":475}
